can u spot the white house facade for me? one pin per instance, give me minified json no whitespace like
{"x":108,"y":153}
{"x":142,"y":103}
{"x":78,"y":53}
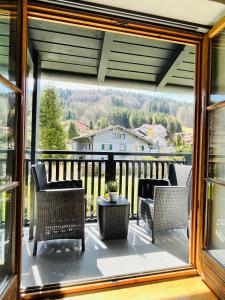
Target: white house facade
{"x":113,"y":139}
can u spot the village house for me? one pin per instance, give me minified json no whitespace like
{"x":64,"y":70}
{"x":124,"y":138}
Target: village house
{"x":115,"y":139}
{"x":158,"y":136}
{"x":82,"y":128}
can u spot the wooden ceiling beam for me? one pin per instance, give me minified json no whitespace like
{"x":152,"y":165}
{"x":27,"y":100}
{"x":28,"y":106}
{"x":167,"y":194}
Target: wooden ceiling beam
{"x":105,"y":54}
{"x":169,"y":69}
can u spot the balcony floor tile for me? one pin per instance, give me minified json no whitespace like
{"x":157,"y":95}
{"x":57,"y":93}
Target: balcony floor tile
{"x":61,"y":261}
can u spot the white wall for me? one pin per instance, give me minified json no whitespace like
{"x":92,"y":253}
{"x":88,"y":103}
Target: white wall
{"x":130,"y":141}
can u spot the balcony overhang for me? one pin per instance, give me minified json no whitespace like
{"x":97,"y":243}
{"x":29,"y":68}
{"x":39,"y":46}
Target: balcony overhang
{"x":101,"y":58}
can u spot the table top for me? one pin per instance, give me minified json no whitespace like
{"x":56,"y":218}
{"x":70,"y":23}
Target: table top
{"x":119,"y":202}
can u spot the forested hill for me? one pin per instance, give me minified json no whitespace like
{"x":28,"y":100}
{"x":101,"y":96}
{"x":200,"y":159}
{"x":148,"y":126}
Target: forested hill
{"x":127,"y":108}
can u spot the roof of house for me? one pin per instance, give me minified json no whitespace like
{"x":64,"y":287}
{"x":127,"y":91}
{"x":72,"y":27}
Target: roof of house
{"x":91,"y":134}
{"x":81,"y":126}
{"x":152,"y":126}
{"x":143,"y":130}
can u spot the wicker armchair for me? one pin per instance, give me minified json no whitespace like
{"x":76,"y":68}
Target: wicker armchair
{"x":163,"y":206}
{"x":60,"y":208}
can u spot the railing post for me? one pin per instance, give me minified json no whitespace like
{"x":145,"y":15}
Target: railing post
{"x":188,"y":158}
{"x":110,"y":168}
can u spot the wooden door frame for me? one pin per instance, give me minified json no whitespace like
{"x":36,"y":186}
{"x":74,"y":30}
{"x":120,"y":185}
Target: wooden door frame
{"x":12,"y":288}
{"x":208,"y":267}
{"x":94,"y":21}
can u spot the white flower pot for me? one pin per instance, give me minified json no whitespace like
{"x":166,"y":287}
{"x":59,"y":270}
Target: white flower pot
{"x":113,"y":196}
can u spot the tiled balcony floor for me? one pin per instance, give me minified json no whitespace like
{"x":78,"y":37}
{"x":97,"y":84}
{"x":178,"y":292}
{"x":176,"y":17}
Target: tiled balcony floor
{"x":61,"y":261}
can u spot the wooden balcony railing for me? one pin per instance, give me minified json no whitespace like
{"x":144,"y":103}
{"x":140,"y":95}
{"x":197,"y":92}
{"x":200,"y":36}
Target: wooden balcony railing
{"x":96,"y":171}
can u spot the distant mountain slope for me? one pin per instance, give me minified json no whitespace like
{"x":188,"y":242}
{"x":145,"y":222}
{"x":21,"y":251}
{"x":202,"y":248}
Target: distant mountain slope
{"x":94,"y":103}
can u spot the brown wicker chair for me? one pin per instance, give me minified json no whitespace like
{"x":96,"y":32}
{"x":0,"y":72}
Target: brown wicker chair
{"x":60,"y":208}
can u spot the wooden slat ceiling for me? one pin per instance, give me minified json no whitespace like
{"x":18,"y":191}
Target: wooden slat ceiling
{"x":103,"y":56}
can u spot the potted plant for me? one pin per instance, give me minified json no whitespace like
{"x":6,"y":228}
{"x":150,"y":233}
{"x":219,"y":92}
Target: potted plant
{"x":112,"y":190}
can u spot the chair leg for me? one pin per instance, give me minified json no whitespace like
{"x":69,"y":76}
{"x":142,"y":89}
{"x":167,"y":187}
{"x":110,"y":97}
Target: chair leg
{"x":153,"y":237}
{"x":35,"y":247}
{"x":138,"y":211}
{"x":188,"y":233}
{"x":83,"y":244}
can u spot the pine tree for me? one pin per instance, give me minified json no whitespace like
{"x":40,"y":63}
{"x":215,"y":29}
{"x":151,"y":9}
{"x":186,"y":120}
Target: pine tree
{"x":52,"y":133}
{"x":72,"y":132}
{"x":91,"y":125}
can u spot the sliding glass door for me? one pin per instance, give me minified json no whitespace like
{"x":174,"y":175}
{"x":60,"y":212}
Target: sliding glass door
{"x":213,"y":256}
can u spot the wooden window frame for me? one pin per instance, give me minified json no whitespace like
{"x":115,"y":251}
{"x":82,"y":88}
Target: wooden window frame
{"x":140,"y":29}
{"x":209,"y":268}
{"x":11,"y":289}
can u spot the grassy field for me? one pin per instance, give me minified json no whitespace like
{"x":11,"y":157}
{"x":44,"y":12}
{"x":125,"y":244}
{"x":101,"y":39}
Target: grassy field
{"x":187,"y":130}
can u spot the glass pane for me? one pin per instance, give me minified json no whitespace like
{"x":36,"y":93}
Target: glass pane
{"x":217,"y":68}
{"x":216,"y":222}
{"x":7,"y":227}
{"x":8,"y":41}
{"x":216,"y":164}
{"x":28,"y":129}
{"x":7,"y":135}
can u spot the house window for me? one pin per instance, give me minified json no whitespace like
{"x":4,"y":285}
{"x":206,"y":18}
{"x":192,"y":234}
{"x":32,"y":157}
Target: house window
{"x":107,"y":147}
{"x":119,"y":135}
{"x":123,"y":136}
{"x":123,"y":147}
{"x":114,"y":135}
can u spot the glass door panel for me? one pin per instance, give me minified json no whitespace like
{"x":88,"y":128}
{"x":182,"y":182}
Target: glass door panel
{"x":7,"y":235}
{"x":8,"y":41}
{"x":7,"y":135}
{"x":215,"y":177}
{"x":9,"y":123}
{"x":216,"y":160}
{"x":216,"y":222}
{"x":217,"y":68}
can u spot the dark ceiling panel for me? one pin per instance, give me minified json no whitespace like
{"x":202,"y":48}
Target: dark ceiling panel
{"x":68,"y":67}
{"x":75,"y":50}
{"x":62,"y":49}
{"x":4,"y":40}
{"x":137,"y":59}
{"x":68,"y":59}
{"x":187,"y":66}
{"x":65,"y":39}
{"x":4,"y":50}
{"x":181,"y":81}
{"x":4,"y":28}
{"x":133,"y":67}
{"x":130,"y":75}
{"x":62,"y":28}
{"x":140,"y":50}
{"x":144,"y":41}
{"x":190,"y":58}
{"x":184,"y":74}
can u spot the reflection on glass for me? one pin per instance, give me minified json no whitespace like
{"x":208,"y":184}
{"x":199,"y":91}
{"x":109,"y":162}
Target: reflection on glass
{"x":7,"y":213}
{"x":28,"y":129}
{"x":7,"y":134}
{"x":216,"y":166}
{"x":8,"y":40}
{"x":216,"y":222}
{"x":218,"y":68}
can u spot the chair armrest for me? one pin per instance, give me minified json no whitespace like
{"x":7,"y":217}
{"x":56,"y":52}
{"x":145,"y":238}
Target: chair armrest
{"x":146,"y":200}
{"x":64,"y":184}
{"x":57,"y":194}
{"x":52,"y":191}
